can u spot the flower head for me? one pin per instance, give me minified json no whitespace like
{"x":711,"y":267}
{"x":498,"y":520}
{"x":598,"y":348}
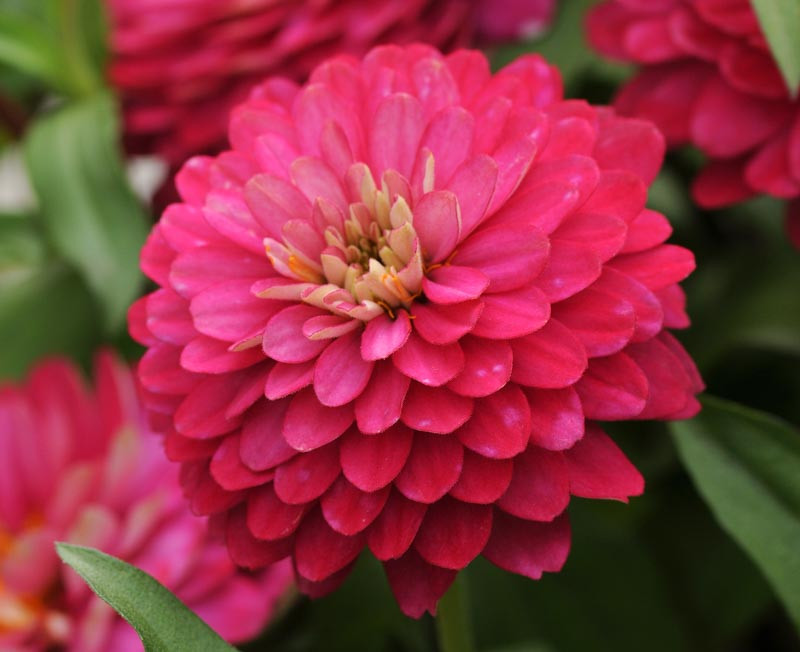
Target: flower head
{"x":708,"y":78}
{"x":177,"y":96}
{"x":391,"y":315}
{"x":78,"y":466}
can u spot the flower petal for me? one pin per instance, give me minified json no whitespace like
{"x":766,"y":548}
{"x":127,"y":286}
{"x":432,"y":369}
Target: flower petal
{"x":379,"y":406}
{"x":453,"y":533}
{"x":341,"y":374}
{"x":432,"y":468}
{"x":482,"y":480}
{"x":435,"y":409}
{"x":539,"y":488}
{"x":550,"y":358}
{"x":392,"y":533}
{"x":507,"y":315}
{"x":452,"y":284}
{"x":268,"y":517}
{"x":427,"y":363}
{"x":371,"y":462}
{"x":417,"y":585}
{"x":320,"y":551}
{"x":557,"y":420}
{"x":306,"y":477}
{"x":284,"y":340}
{"x":349,"y":510}
{"x":383,"y":336}
{"x":308,"y":424}
{"x":437,"y":221}
{"x":445,"y":324}
{"x":500,"y":425}
{"x":613,"y":388}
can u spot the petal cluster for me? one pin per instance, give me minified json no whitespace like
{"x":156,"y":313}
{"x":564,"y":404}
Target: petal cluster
{"x":78,"y":466}
{"x":391,"y":316}
{"x":708,"y":78}
{"x":181,"y":66}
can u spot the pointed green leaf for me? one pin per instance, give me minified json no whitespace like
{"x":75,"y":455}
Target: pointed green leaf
{"x":162,"y":621}
{"x":746,"y":466}
{"x":90,"y":215}
{"x":780,"y":22}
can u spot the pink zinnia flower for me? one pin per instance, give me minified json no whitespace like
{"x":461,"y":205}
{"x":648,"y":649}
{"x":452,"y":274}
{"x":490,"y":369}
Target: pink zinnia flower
{"x":181,"y":65}
{"x":392,"y":315}
{"x":708,"y":78}
{"x":77,"y":466}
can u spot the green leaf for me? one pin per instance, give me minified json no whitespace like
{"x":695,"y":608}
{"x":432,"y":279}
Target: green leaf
{"x":746,"y":465}
{"x":91,"y":216}
{"x":26,"y":46}
{"x":162,"y":621}
{"x":780,"y":22}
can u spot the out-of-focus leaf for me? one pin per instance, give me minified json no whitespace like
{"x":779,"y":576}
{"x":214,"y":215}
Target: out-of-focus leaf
{"x":162,"y":621}
{"x":81,"y":31}
{"x":746,"y":465}
{"x":780,"y":22}
{"x":44,"y":310}
{"x":25,"y":46}
{"x":90,"y":214}
{"x":21,"y":250}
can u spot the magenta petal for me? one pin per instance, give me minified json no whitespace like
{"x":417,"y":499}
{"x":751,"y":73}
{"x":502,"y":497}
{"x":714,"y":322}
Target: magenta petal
{"x":629,"y":144}
{"x":228,"y":470}
{"x":432,"y":468}
{"x":452,"y":284}
{"x":320,"y":551}
{"x":284,"y":340}
{"x":647,"y":230}
{"x":445,"y":324}
{"x":247,"y":551}
{"x":487,"y":367}
{"x":557,"y":420}
{"x":526,"y":547}
{"x":604,"y":234}
{"x":383,"y":336}
{"x":392,"y":533}
{"x":395,"y":134}
{"x":349,"y":510}
{"x":539,"y":489}
{"x":228,"y":311}
{"x":449,"y":138}
{"x":613,"y":388}
{"x":453,"y":533}
{"x":308,"y":424}
{"x":201,"y":267}
{"x":427,"y":363}
{"x":511,"y":256}
{"x":417,"y":585}
{"x":268,"y":517}
{"x":160,"y":371}
{"x":273,"y":202}
{"x":512,"y":314}
{"x":315,"y":179}
{"x":670,"y":388}
{"x":482,"y":480}
{"x":207,"y":355}
{"x":306,"y":477}
{"x":341,"y":374}
{"x":500,"y":425}
{"x":597,"y":468}
{"x":168,"y":317}
{"x":550,"y":358}
{"x":646,"y":306}
{"x":474,"y":184}
{"x":572,"y":266}
{"x":371,"y":462}
{"x":315,"y":590}
{"x":435,"y":409}
{"x":381,"y":403}
{"x":437,"y":221}
{"x":603,"y":322}
{"x":657,"y":268}
{"x":285,"y":379}
{"x":262,"y":446}
{"x":201,"y":414}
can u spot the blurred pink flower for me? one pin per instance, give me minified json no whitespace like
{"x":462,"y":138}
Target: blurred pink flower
{"x":77,"y":466}
{"x":708,"y":79}
{"x":460,"y":277}
{"x":181,"y":65}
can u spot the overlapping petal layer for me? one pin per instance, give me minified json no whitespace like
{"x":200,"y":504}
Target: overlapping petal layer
{"x":80,"y":466}
{"x":707,"y":78}
{"x":407,"y":349}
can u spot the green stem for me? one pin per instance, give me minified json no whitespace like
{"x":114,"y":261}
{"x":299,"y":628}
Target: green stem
{"x":453,"y":628}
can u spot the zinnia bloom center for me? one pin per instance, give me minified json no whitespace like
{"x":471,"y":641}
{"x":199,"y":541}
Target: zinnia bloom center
{"x":370,"y":260}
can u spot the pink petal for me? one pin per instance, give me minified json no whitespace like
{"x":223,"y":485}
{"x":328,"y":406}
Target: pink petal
{"x":721,"y":182}
{"x":285,"y":379}
{"x":395,"y":134}
{"x":201,"y":414}
{"x":647,"y":230}
{"x":247,"y":551}
{"x":417,"y":586}
{"x":315,"y":179}
{"x":273,"y":202}
{"x":268,"y":517}
{"x":341,"y":374}
{"x":574,"y":171}
{"x":550,"y":358}
{"x":349,"y":510}
{"x":474,"y":184}
{"x":618,"y":193}
{"x":201,"y":267}
{"x":320,"y":551}
{"x":528,"y":548}
{"x":383,"y":336}
{"x":539,"y":489}
{"x":371,"y":462}
{"x":228,"y":311}
{"x":308,"y":424}
{"x":507,"y":315}
{"x":669,"y":385}
{"x":445,"y":324}
{"x":262,"y":446}
{"x":437,"y":221}
{"x":427,"y":363}
{"x":543,"y":206}
{"x":453,"y":533}
{"x":511,"y":256}
{"x":603,"y":322}
{"x":306,"y":477}
{"x":569,"y":135}
{"x":598,"y":469}
{"x":556,"y":418}
{"x":207,"y":355}
{"x":228,"y":470}
{"x":284,"y":340}
{"x":571,"y":267}
{"x":486,"y":369}
{"x":435,"y":409}
{"x":657,"y":268}
{"x":168,"y":317}
{"x":381,"y":403}
{"x":613,"y":388}
{"x":452,"y":284}
{"x":449,"y":138}
{"x":432,"y":468}
{"x":604,"y":234}
{"x":392,"y":533}
{"x":500,"y":425}
{"x":482,"y":480}
{"x":629,"y":144}
{"x":160,"y":371}
{"x":646,"y":306}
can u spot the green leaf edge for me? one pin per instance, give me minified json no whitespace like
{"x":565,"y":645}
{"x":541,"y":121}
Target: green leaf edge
{"x":190,"y":634}
{"x":780,"y":22}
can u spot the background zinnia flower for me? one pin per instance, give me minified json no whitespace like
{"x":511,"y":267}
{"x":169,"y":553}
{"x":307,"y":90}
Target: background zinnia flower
{"x":392,"y":315}
{"x":181,"y":66}
{"x":77,"y":466}
{"x":708,"y":78}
